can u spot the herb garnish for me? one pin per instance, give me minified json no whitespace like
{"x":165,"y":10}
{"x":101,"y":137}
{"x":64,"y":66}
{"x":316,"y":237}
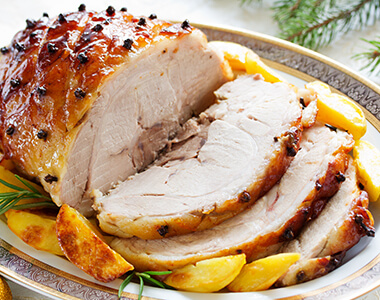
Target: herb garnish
{"x":144,"y":276}
{"x":9,"y":200}
{"x":372,"y":56}
{"x":316,"y":23}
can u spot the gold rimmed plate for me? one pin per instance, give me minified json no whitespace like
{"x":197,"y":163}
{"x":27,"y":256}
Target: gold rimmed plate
{"x":57,"y":278}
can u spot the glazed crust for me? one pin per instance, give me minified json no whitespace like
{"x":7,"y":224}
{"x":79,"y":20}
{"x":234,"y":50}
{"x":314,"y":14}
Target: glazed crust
{"x":51,"y":74}
{"x":358,"y":223}
{"x":278,"y":162}
{"x":143,"y":256}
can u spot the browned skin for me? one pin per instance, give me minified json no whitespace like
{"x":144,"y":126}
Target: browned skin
{"x":310,"y":208}
{"x":358,"y":223}
{"x":325,"y":187}
{"x":32,"y":234}
{"x":44,"y":67}
{"x":85,"y":249}
{"x":317,"y":267}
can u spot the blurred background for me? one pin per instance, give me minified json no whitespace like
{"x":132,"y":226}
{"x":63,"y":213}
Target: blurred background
{"x":255,"y":15}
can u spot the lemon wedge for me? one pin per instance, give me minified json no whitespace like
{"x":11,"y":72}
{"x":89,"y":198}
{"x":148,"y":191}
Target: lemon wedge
{"x":338,"y":110}
{"x":242,"y":58}
{"x":367,"y":159}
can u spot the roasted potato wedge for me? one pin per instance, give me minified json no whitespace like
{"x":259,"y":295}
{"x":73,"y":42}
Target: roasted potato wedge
{"x":5,"y":291}
{"x":37,"y":230}
{"x":87,"y":249}
{"x":261,"y":274}
{"x":208,"y":275}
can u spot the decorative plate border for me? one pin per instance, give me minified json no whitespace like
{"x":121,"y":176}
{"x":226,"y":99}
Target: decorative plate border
{"x":22,"y":268}
{"x":294,"y":60}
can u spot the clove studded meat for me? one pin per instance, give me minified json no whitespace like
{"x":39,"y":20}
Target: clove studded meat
{"x":137,"y":119}
{"x":221,"y":163}
{"x":88,"y":99}
{"x":274,"y":219}
{"x":324,"y":241}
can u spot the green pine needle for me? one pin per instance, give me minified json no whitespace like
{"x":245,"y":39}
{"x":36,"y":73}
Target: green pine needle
{"x":316,"y":23}
{"x":372,"y":57}
{"x":242,"y":2}
{"x":9,"y":200}
{"x":144,"y":276}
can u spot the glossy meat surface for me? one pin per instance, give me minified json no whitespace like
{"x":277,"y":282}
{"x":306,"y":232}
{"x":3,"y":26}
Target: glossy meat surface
{"x":325,"y":240}
{"x":57,"y":70}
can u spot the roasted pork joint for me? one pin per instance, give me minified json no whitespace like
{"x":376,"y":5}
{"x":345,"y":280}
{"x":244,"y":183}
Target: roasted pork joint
{"x":88,"y":99}
{"x":259,"y":231}
{"x":218,"y":165}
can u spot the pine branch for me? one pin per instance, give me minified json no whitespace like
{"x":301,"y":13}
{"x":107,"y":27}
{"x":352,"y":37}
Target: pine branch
{"x":372,"y":57}
{"x":315,"y":23}
{"x":242,"y":2}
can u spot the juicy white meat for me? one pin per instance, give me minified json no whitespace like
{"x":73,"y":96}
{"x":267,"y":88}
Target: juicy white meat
{"x":233,"y":153}
{"x":324,"y":241}
{"x":260,"y":230}
{"x":95,"y":96}
{"x":136,"y":113}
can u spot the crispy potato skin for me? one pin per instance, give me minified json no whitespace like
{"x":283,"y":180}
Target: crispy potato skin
{"x":85,"y":249}
{"x":35,"y":229}
{"x":261,"y":274}
{"x":207,"y":276}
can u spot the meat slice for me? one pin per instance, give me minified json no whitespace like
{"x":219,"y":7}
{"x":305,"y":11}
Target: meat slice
{"x":312,"y":177}
{"x":220,"y":163}
{"x":324,"y":241}
{"x":88,"y":99}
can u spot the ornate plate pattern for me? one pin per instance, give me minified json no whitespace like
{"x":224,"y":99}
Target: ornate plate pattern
{"x":297,"y":61}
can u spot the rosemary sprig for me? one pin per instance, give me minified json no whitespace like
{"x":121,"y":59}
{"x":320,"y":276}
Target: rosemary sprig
{"x":372,"y":57}
{"x":144,"y":276}
{"x":9,"y":200}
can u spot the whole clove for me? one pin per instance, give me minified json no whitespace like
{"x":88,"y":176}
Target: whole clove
{"x":82,"y":7}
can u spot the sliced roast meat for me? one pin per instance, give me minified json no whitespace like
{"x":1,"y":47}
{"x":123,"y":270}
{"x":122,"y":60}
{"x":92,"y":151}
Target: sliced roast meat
{"x":219,"y":164}
{"x":88,"y":99}
{"x":324,"y":241}
{"x":277,"y":217}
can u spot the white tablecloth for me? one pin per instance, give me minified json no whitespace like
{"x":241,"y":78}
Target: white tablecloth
{"x":254,"y":16}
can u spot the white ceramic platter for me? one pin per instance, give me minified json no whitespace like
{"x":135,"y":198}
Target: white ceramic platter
{"x":57,"y":278}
